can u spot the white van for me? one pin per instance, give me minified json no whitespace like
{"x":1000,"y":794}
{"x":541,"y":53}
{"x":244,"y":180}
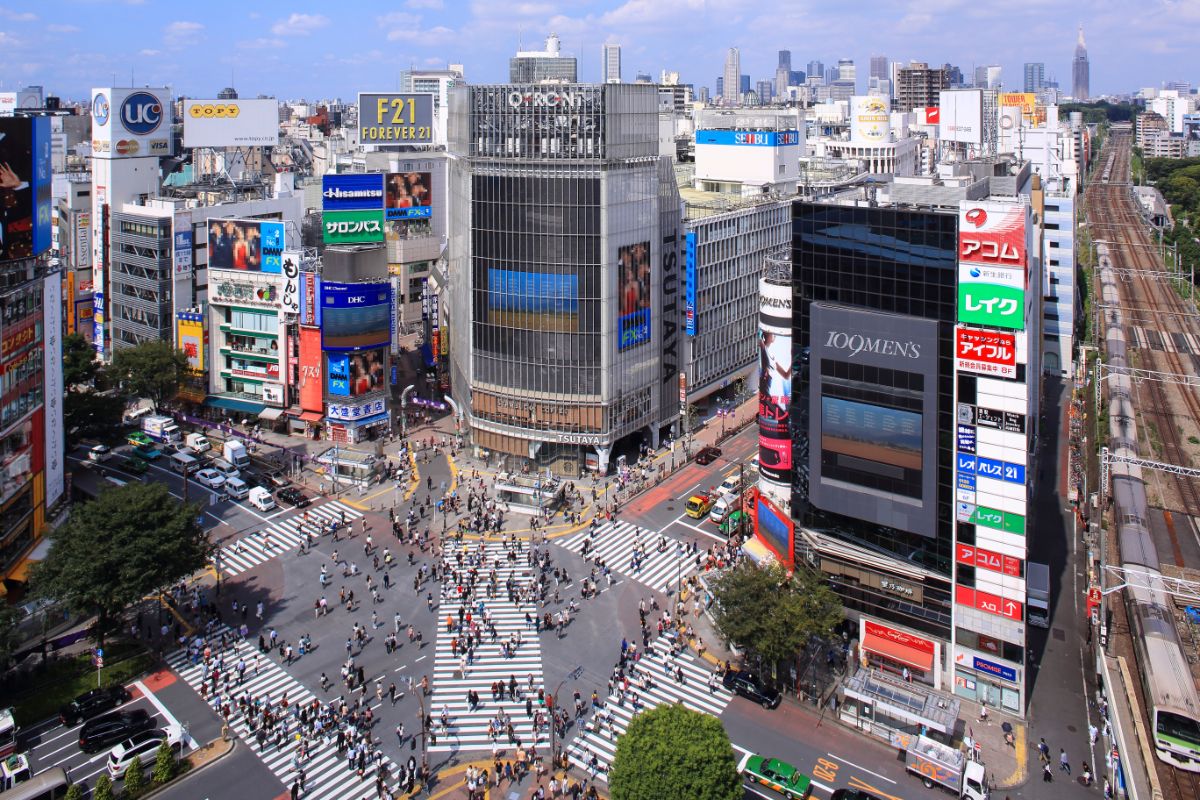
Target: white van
{"x":99,"y":453}
{"x":720,"y":510}
{"x":184,"y":463}
{"x":261,"y":499}
{"x":225,"y":468}
{"x":236,"y":488}
{"x":134,"y":417}
{"x":732,"y":486}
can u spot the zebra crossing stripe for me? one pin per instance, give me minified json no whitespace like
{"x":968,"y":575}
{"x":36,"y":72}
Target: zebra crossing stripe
{"x":326,"y":774}
{"x":615,"y":542}
{"x":251,"y":549}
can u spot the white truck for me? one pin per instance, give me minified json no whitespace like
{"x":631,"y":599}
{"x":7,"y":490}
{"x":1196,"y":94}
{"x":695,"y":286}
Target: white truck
{"x":198,"y":442}
{"x":947,"y":767}
{"x":235,"y":453}
{"x":1037,"y":594}
{"x":162,"y":429}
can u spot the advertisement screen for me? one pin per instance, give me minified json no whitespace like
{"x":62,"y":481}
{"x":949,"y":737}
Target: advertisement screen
{"x":409,"y":195}
{"x":354,"y":374}
{"x":311,"y":387}
{"x":24,"y":187}
{"x":248,"y":245}
{"x":871,"y":446}
{"x":533,"y":300}
{"x":231,"y":123}
{"x":395,"y":118}
{"x":775,"y":529}
{"x":355,"y":316}
{"x":354,"y":192}
{"x":774,"y":381}
{"x":633,"y":288}
{"x":993,"y":296}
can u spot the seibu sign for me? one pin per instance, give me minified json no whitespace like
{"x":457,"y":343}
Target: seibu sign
{"x":986,"y":352}
{"x":901,"y":638}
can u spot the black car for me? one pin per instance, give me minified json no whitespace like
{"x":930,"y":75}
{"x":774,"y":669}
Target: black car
{"x":852,"y":794}
{"x":707,"y":455}
{"x":293,"y":496}
{"x":100,"y":732}
{"x":89,"y":704}
{"x":748,"y":685}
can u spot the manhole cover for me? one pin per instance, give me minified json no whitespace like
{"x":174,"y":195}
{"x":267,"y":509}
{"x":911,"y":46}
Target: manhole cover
{"x":1059,"y":635}
{"x":1072,"y":729}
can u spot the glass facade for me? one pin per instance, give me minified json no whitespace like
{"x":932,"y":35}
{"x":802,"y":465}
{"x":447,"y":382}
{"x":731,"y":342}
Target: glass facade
{"x":896,"y":261}
{"x":140,"y":275}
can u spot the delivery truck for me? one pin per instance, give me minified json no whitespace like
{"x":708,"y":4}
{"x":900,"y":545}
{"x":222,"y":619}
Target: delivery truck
{"x":1037,"y":594}
{"x":235,"y":453}
{"x":944,"y":766}
{"x":162,"y":429}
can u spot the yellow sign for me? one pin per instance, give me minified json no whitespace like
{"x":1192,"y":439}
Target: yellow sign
{"x":214,"y":110}
{"x":191,"y":340}
{"x":1026,"y":101}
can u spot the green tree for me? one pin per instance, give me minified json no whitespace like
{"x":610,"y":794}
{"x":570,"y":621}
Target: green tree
{"x":91,"y":415}
{"x":128,"y":542}
{"x":103,"y":789}
{"x":10,"y":618}
{"x":74,"y":792}
{"x":135,"y":779}
{"x":152,"y":369}
{"x":164,"y":764}
{"x":672,"y":752}
{"x":79,"y":361}
{"x":770,"y":614}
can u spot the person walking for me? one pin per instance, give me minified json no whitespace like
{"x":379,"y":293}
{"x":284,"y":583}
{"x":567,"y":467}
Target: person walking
{"x":1063,"y":763}
{"x":1043,"y":751}
{"x":1047,"y":775}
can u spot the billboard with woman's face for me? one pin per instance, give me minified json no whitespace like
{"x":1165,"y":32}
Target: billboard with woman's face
{"x":633,"y":295}
{"x":247,"y":245}
{"x":409,"y":195}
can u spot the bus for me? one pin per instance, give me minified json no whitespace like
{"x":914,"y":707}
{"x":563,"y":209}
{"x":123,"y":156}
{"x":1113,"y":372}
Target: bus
{"x":49,"y":785}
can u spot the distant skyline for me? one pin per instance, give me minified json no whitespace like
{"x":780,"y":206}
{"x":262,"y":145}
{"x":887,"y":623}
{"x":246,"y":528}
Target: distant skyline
{"x":318,"y":50}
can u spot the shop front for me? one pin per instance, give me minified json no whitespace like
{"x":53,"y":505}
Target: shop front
{"x":989,"y":681}
{"x":359,"y":421}
{"x":899,"y":652}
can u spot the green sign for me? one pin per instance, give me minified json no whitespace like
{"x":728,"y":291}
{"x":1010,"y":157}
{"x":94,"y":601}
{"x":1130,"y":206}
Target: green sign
{"x":988,"y":304}
{"x":1000,"y":520}
{"x":353,"y":227}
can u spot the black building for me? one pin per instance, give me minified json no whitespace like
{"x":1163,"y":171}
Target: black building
{"x":872,"y":411}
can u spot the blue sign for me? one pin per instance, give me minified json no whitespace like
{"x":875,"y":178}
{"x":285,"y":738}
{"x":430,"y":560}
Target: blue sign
{"x":966,"y":482}
{"x":412,"y":212}
{"x":355,"y":316}
{"x":991,"y":668}
{"x":966,"y":438}
{"x":141,"y":113}
{"x":356,"y":192}
{"x":43,"y":198}
{"x":633,"y":329}
{"x":1000,"y":470}
{"x":272,"y":243}
{"x":965,"y":462}
{"x":339,"y":374}
{"x":100,"y":109}
{"x":690,"y":299}
{"x":749,"y":138}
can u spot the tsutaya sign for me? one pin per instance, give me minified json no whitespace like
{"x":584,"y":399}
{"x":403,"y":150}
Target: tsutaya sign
{"x":549,"y":99}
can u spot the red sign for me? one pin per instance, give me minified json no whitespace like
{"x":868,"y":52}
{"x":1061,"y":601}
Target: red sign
{"x":311,"y":386}
{"x":271,"y":373}
{"x":986,"y":352}
{"x":992,"y":233}
{"x":992,"y":604}
{"x":19,"y":336}
{"x":899,"y":637}
{"x":987,"y":559}
{"x":933,"y":115}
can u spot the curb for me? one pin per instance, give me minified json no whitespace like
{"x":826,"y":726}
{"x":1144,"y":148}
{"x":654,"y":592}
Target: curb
{"x":180,"y":779}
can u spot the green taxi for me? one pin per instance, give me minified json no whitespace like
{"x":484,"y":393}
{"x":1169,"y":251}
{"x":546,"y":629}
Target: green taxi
{"x":135,"y":465}
{"x":732,"y":522}
{"x":138,"y":439}
{"x":775,"y":774}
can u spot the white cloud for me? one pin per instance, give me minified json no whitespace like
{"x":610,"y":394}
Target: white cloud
{"x":398,"y":19}
{"x":261,"y":43}
{"x":431,"y":4}
{"x":436,"y":35}
{"x":18,"y":16}
{"x":182,"y":32}
{"x":300,"y":25}
{"x":53,"y":28}
{"x":149,"y":53}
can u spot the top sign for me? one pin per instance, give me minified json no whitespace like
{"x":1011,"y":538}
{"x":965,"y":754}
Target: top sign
{"x":395,"y":118}
{"x":992,"y":233}
{"x":231,"y":123}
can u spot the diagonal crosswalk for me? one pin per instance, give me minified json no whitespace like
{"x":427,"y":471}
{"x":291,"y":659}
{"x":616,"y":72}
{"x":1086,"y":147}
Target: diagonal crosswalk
{"x":276,"y":538}
{"x":616,"y":543}
{"x":326,"y":774}
{"x":599,"y":730}
{"x":468,"y":728}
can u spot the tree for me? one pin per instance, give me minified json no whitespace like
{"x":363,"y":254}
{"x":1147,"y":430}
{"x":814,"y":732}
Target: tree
{"x":74,"y":792}
{"x":152,"y":369}
{"x":770,"y":614}
{"x":90,"y":415}
{"x":79,"y":361}
{"x":10,"y":618}
{"x":673,"y":752}
{"x":135,"y":780}
{"x":103,"y":789}
{"x":128,"y":542}
{"x":164,"y":764}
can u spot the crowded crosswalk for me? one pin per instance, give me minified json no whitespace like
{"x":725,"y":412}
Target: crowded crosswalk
{"x":276,"y":538}
{"x":657,"y":682}
{"x":468,"y":713}
{"x":327,"y":776}
{"x":645,"y":556}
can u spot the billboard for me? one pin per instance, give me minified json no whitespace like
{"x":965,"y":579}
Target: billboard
{"x":633,"y":295}
{"x":311,"y":389}
{"x":992,"y":233}
{"x":533,"y":300}
{"x":873,"y":416}
{"x":869,"y":119}
{"x":291,"y":282}
{"x":394,"y":118}
{"x":128,"y":123}
{"x":359,"y":412}
{"x":337,"y":367}
{"x":356,"y":374}
{"x":83,"y":239}
{"x":1025,"y":102}
{"x":775,"y":381}
{"x":691,"y":278}
{"x":409,"y":195}
{"x":52,"y":318}
{"x":353,"y":227}
{"x":246,"y":245}
{"x":985,"y":352}
{"x":355,"y":192}
{"x":310,"y":307}
{"x":25,"y":199}
{"x":355,"y":316}
{"x":190,"y":335}
{"x":231,"y":123}
{"x":775,"y":529}
{"x":961,"y":116}
{"x":749,"y":138}
{"x":993,"y":296}
{"x":182,"y":243}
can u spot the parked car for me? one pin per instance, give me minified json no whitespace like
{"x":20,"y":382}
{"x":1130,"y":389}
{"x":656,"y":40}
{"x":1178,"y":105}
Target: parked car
{"x":143,"y":746}
{"x":210,"y":478}
{"x":749,"y":686}
{"x":135,"y":465}
{"x":89,"y":704}
{"x":98,"y":733}
{"x":707,"y":455}
{"x":293,"y":496}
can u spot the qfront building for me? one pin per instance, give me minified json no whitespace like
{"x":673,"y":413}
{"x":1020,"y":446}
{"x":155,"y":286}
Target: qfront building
{"x":565,"y":312}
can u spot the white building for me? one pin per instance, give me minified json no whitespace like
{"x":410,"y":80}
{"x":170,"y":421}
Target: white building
{"x":744,"y":152}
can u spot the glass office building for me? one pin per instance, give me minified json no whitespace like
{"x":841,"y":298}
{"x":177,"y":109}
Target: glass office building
{"x":872,"y":405}
{"x":563,"y":310}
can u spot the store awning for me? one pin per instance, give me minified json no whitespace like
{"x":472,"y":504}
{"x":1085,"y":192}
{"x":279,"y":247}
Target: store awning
{"x":312,"y":416}
{"x":271,"y":414}
{"x":233,"y":404}
{"x":20,"y":572}
{"x":898,"y":652}
{"x":758,"y":552}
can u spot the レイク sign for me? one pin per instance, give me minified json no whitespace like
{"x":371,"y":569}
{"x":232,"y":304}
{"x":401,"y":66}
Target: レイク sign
{"x":986,"y":352}
{"x":993,"y":296}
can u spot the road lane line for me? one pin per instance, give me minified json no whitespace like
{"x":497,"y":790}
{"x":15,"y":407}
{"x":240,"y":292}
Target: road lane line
{"x":857,"y":766}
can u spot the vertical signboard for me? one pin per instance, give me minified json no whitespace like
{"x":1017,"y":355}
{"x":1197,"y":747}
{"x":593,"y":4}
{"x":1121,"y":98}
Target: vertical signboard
{"x":690,"y":321}
{"x":52,"y":310}
{"x":183,"y":245}
{"x":291,"y":282}
{"x":774,"y":381}
{"x":633,"y":295}
{"x":190,"y":330}
{"x":311,"y":386}
{"x":83,"y":239}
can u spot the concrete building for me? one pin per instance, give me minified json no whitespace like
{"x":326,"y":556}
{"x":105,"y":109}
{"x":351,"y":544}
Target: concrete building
{"x":543,"y":66}
{"x":610,"y":58}
{"x":919,"y":86}
{"x":1035,"y":76}
{"x":1150,"y":125}
{"x":744,"y":152}
{"x":437,"y":82}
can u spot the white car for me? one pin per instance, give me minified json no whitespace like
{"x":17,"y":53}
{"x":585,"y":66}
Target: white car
{"x":210,"y":478}
{"x":143,"y":746}
{"x":99,"y":453}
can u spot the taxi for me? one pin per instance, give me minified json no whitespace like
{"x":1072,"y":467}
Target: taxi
{"x":775,"y":774}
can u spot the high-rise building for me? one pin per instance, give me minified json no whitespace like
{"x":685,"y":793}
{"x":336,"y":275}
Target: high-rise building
{"x":611,"y":59}
{"x":703,"y":95}
{"x":543,"y":66}
{"x":783,"y":73}
{"x":721,"y":87}
{"x":1080,"y":70}
{"x":785,"y":59}
{"x":816,"y":69}
{"x":987,"y":77}
{"x":733,"y":71}
{"x":228,"y":93}
{"x":954,"y":75}
{"x":1035,"y":76}
{"x":879,"y":68}
{"x":918,"y":85}
{"x":765,"y":90}
{"x":744,"y":83}
{"x":847,"y":71}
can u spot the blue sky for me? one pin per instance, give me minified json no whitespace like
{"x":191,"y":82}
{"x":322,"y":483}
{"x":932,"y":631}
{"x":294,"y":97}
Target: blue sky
{"x":317,"y":50}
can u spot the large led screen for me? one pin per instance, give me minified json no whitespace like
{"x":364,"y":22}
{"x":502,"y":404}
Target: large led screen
{"x":871,"y":445}
{"x":409,"y":195}
{"x":775,"y":361}
{"x":355,"y":316}
{"x":248,"y":245}
{"x":533,"y":300}
{"x":633,"y":322}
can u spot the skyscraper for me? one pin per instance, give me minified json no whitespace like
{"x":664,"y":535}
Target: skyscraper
{"x":541,"y":66}
{"x":785,"y":59}
{"x":879,"y":68}
{"x":1080,"y":70}
{"x":733,"y":77}
{"x":744,"y":84}
{"x":847,"y":70}
{"x":1035,"y":76}
{"x":612,"y":63}
{"x":816,"y":69}
{"x":783,"y":73}
{"x":919,"y":86}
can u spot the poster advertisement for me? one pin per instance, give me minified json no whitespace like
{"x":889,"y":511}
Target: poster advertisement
{"x":775,"y":381}
{"x":246,"y":245}
{"x":633,"y":292}
{"x":409,"y":196}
